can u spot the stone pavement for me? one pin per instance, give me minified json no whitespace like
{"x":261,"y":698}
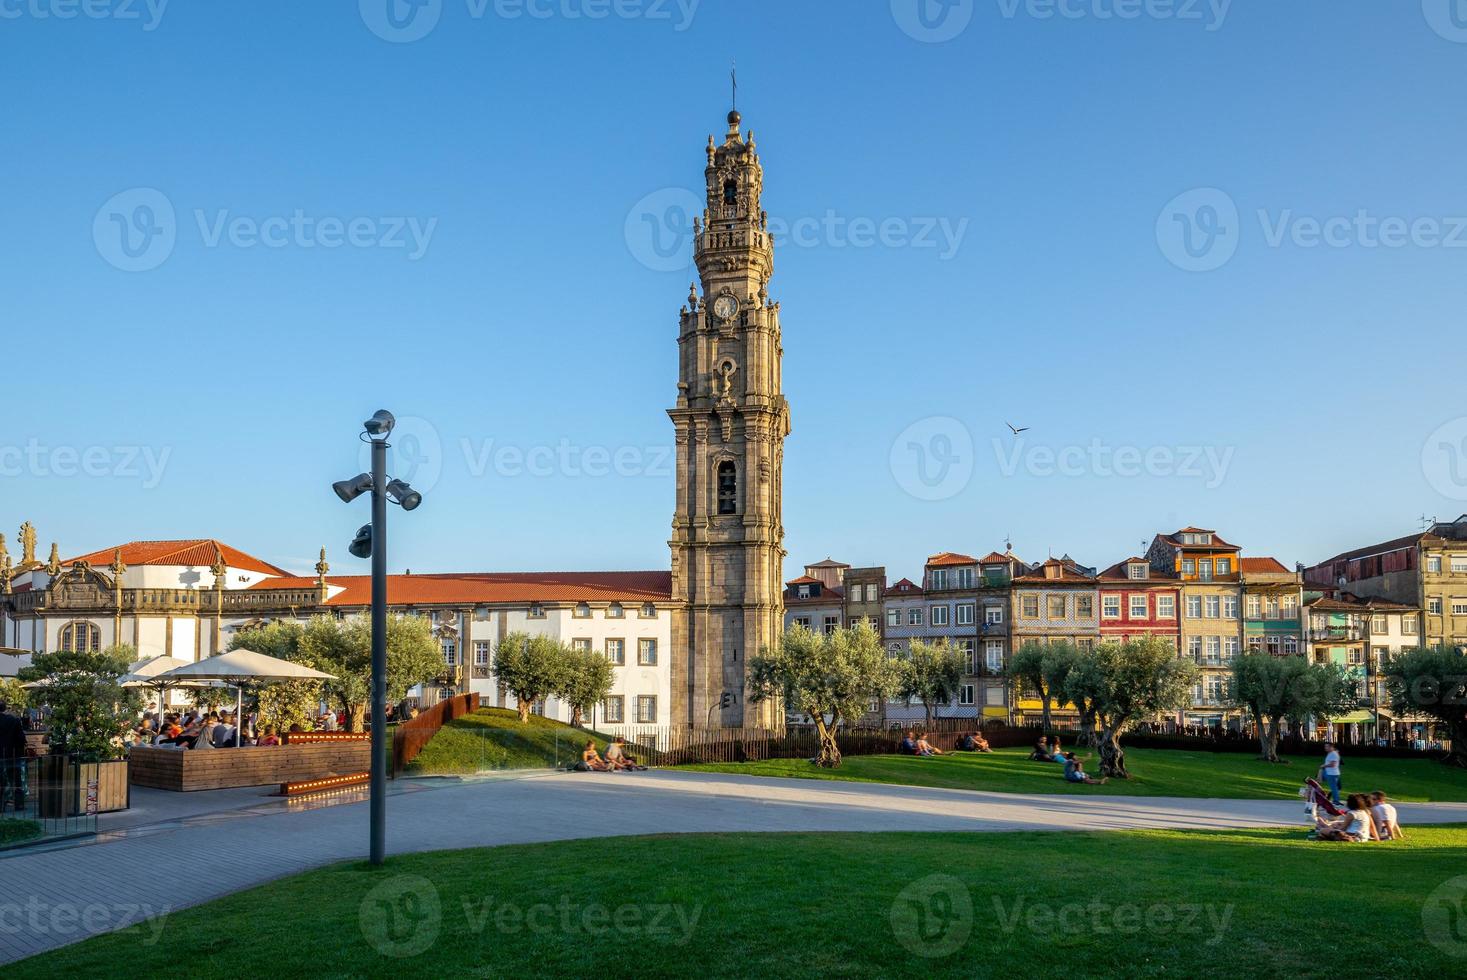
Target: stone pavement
{"x":222,"y":843}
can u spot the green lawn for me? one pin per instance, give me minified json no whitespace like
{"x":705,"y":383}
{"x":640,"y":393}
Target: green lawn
{"x":13,"y":831}
{"x":1155,"y":772}
{"x":1154,"y":903}
{"x":493,"y":738}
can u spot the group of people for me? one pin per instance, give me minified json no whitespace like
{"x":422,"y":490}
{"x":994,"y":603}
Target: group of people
{"x":914,"y":744}
{"x":1365,"y":816}
{"x":195,"y":729}
{"x":1048,"y":749}
{"x":615,"y":760}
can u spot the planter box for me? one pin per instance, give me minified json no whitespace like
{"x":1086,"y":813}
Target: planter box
{"x":188,"y":770}
{"x":112,"y":784}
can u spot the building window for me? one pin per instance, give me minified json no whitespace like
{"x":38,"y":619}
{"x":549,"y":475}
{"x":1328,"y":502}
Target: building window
{"x":965,"y":696}
{"x":965,"y":578}
{"x":993,"y":615}
{"x":1213,"y":606}
{"x":914,"y":617}
{"x":728,"y":488}
{"x":1254,"y":606}
{"x":1029,"y":606}
{"x":872,"y":593}
{"x":1204,"y":569}
{"x":803,"y":592}
{"x":1110,"y":607}
{"x":966,"y":613}
{"x":1459,"y":606}
{"x":1408,"y":624}
{"x":1194,"y":607}
{"x":450,"y":651}
{"x":1166,"y":607}
{"x":1434,"y":605}
{"x":1138,"y":607}
{"x":581,"y":644}
{"x":937,"y":578}
{"x":893,"y":617}
{"x":1434,"y":563}
{"x":1289,"y":607}
{"x":537,"y":611}
{"x":1086,"y":644}
{"x":1230,"y":607}
{"x":649,"y":611}
{"x":1057,"y":607}
{"x":1230,"y":647}
{"x":616,"y":650}
{"x":1189,"y":567}
{"x":1137,"y":570}
{"x":895,"y":649}
{"x":646,"y":709}
{"x":583,"y":611}
{"x":647,"y":652}
{"x":832,"y":623}
{"x":1291,"y":644}
{"x":993,"y":654}
{"x":1213,"y":649}
{"x":615,"y":611}
{"x":1084,"y":606}
{"x":481,"y":653}
{"x":802,"y":621}
{"x":80,"y":638}
{"x":1378,"y":623}
{"x":613,"y":709}
{"x":1194,"y":647}
{"x":1459,"y":564}
{"x":1225,"y":566}
{"x":939,"y":616}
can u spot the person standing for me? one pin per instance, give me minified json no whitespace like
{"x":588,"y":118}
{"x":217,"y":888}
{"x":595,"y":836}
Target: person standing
{"x":1330,"y":771}
{"x":12,"y":757}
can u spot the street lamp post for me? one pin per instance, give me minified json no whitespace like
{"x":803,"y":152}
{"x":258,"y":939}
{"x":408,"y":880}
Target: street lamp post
{"x":371,"y":540}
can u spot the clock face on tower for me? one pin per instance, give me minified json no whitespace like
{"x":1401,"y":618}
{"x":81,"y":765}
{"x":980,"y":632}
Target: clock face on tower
{"x":724,"y":307}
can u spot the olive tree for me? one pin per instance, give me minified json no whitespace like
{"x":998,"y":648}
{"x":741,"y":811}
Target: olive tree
{"x":1432,"y":681}
{"x":933,"y":674}
{"x":1124,"y":683}
{"x":1273,"y":688}
{"x":589,"y":677}
{"x":1043,"y":669}
{"x":89,"y":708}
{"x":531,"y":668}
{"x":832,"y":677}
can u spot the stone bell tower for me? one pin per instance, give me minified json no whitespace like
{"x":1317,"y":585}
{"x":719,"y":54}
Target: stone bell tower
{"x":731,"y":421}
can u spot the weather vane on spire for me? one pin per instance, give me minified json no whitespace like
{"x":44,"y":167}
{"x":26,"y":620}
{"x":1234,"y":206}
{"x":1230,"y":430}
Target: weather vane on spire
{"x":733,"y":77}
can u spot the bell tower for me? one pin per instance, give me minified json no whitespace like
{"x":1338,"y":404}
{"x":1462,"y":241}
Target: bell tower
{"x":731,"y":420}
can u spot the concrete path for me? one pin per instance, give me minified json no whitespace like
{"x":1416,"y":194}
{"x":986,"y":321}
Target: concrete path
{"x":239,"y":838}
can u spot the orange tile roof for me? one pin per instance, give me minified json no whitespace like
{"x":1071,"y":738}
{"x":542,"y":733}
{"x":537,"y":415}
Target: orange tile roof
{"x":1218,"y":544}
{"x":196,"y":552}
{"x":1119,"y":572}
{"x":904,"y":587}
{"x":804,"y":580}
{"x":1261,"y":565}
{"x":951,"y":558}
{"x":994,"y":557}
{"x":490,"y":587}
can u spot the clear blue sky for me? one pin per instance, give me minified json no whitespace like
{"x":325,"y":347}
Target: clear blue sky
{"x":535,"y":318}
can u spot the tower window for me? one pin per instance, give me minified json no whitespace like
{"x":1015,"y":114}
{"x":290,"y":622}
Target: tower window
{"x":730,"y":192}
{"x":728,"y":488}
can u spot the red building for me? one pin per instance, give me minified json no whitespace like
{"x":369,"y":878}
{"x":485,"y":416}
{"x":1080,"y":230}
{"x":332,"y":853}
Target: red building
{"x":1139,"y":600}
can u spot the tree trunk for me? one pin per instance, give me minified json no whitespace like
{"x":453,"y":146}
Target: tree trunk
{"x":927,"y":708}
{"x":1044,"y":701}
{"x":829,"y":757}
{"x":1267,"y":738}
{"x":356,"y":717}
{"x":523,"y":707}
{"x":1087,"y":728}
{"x":578,"y":718}
{"x":1112,"y":756}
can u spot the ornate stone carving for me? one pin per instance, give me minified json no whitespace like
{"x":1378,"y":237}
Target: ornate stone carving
{"x":322,"y":567}
{"x":53,"y":564}
{"x":27,"y":545}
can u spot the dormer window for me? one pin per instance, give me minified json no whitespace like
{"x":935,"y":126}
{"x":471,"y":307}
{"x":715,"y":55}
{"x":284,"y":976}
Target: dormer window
{"x":615,"y":611}
{"x":537,"y":611}
{"x":803,"y":592}
{"x":583,"y":611}
{"x":1137,"y":570}
{"x":649,"y":611}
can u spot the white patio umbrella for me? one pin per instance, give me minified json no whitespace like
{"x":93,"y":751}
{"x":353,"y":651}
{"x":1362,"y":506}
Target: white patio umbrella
{"x":240,"y":667}
{"x":148,"y":673}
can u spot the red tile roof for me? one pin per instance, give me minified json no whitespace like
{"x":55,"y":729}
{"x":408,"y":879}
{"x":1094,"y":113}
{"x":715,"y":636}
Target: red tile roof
{"x":1395,"y":544}
{"x":1262,"y":565}
{"x":951,"y":558}
{"x":1218,"y":543}
{"x":195,"y":552}
{"x":491,"y":587}
{"x":993,"y":558}
{"x":1069,"y":574}
{"x":904,"y":587}
{"x":1119,"y":572}
{"x":804,"y":580}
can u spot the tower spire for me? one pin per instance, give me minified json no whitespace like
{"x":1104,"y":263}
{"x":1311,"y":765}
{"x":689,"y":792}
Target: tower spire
{"x":733,"y":77}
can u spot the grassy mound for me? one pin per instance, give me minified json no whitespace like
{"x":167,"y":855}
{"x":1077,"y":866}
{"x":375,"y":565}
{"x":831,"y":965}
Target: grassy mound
{"x":1155,"y":772}
{"x":1136,"y":904}
{"x":493,"y":738}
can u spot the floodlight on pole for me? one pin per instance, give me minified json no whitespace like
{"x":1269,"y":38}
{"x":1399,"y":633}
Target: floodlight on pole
{"x":371,"y":542}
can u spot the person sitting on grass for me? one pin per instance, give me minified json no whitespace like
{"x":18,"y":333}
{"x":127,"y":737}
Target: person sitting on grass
{"x":1386,"y":825}
{"x":924,"y":747}
{"x":1041,"y":751}
{"x":1056,"y":753}
{"x":591,"y":760}
{"x":1354,"y":825}
{"x":1075,"y":772}
{"x":909,"y":745}
{"x":974,"y":742}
